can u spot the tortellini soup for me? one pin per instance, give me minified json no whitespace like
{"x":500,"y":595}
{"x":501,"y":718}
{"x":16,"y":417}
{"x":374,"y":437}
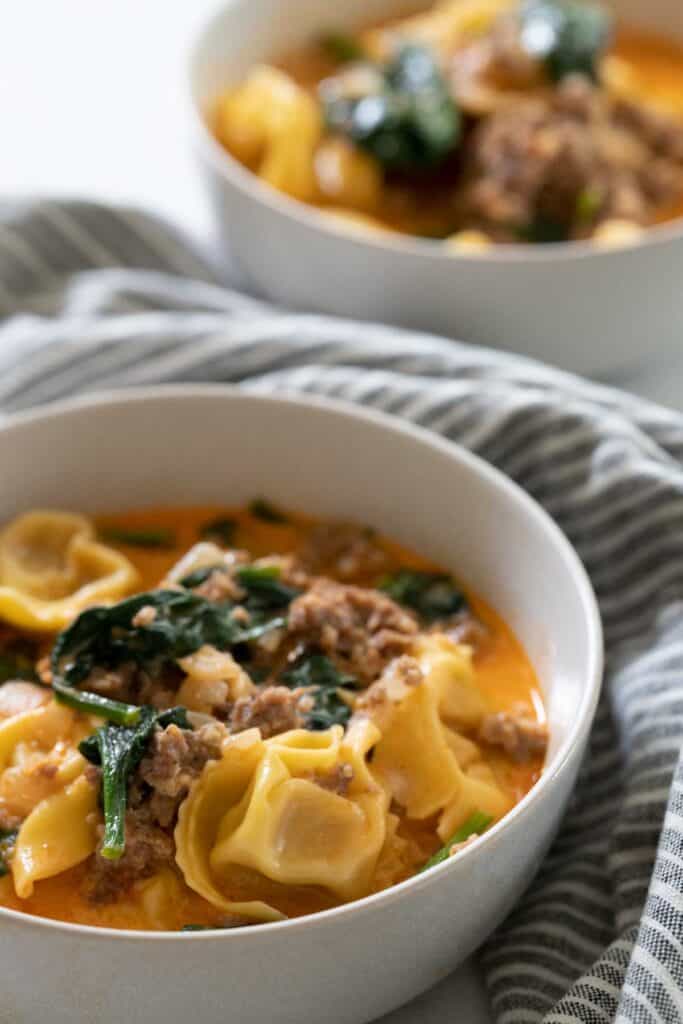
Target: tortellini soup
{"x":472,"y":123}
{"x":211,"y":717}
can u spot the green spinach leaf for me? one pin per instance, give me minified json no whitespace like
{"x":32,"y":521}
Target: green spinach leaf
{"x":263,"y":587}
{"x":476,"y":823}
{"x":568,"y":36}
{"x":409,"y":122}
{"x":109,"y":637}
{"x":199,"y":576}
{"x":119,"y":750}
{"x":318,"y":672}
{"x":433,"y":595}
{"x":265,"y":510}
{"x":151,"y":537}
{"x":261,"y":582}
{"x":220,"y":530}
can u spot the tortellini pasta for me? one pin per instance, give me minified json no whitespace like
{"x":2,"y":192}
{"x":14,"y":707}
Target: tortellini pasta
{"x":309,"y":733}
{"x":417,"y":718}
{"x":42,"y":782}
{"x":271,"y":807}
{"x":59,"y":833}
{"x":212,"y":678}
{"x":442,"y":28}
{"x":52,"y":567}
{"x":273,"y":125}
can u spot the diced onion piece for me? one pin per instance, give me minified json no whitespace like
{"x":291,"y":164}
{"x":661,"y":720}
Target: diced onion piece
{"x":469,"y":242}
{"x":613,"y":234}
{"x":348,"y":176}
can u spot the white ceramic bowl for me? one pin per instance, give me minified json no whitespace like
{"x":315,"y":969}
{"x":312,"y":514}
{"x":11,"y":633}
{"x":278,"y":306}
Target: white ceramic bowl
{"x":193,"y":445}
{"x":591,"y":311}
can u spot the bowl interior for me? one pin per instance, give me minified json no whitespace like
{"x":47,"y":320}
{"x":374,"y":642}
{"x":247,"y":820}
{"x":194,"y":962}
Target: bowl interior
{"x":210,"y":445}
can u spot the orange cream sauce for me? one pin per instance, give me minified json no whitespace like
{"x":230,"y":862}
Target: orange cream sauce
{"x":656,"y":64}
{"x":655,"y":68}
{"x":654,"y":60}
{"x":504,"y":674}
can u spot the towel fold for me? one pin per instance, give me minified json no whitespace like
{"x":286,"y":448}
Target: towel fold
{"x":95,"y":297}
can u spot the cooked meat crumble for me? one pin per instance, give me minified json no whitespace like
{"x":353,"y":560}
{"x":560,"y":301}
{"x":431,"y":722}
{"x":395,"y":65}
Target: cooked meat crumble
{"x":177,"y":756}
{"x":174,"y":760}
{"x":572,"y":157}
{"x":220,"y":586}
{"x":520,"y":735}
{"x":148,"y":848}
{"x":273,"y":710}
{"x":337,"y":781}
{"x":364,"y":628}
{"x":132,"y":684}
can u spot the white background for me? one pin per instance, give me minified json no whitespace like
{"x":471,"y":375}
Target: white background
{"x":92,"y":101}
{"x":92,"y":105}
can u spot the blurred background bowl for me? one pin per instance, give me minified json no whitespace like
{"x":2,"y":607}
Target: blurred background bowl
{"x":592,"y":311}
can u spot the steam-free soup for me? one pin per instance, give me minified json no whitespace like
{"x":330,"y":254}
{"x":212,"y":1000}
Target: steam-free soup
{"x":214,"y":717}
{"x":475,"y":122}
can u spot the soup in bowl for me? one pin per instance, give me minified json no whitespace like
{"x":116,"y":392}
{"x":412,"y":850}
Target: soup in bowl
{"x":249,"y":745}
{"x":475,"y":122}
{"x":503,"y":172}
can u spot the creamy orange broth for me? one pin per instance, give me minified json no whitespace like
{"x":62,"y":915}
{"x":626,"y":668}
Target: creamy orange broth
{"x":656,"y":60}
{"x":657,"y":65}
{"x":503,"y":672}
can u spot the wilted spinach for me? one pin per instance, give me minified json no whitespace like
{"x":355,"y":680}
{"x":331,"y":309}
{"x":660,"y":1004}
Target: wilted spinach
{"x":433,"y":595}
{"x":316,"y":670}
{"x":263,"y":587}
{"x":118,"y":750}
{"x":108,"y":638}
{"x":199,"y":576}
{"x":265,"y":510}
{"x":264,"y":591}
{"x":475,"y":825}
{"x":144,"y":537}
{"x":566,"y":35}
{"x":221,"y":530}
{"x":408,"y":122}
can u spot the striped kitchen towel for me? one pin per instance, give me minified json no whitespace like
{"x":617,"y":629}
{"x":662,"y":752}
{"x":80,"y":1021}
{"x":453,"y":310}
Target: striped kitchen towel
{"x":97,"y":297}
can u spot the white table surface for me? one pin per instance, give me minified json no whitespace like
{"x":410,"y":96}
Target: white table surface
{"x":92,"y":105}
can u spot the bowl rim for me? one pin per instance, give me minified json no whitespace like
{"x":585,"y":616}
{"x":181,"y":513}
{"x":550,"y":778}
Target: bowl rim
{"x":426,"y":439}
{"x":402,"y":246}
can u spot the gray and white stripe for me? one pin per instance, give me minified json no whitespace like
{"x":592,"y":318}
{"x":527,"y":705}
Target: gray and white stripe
{"x":99,"y":297}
